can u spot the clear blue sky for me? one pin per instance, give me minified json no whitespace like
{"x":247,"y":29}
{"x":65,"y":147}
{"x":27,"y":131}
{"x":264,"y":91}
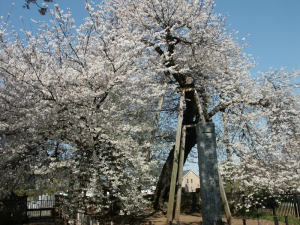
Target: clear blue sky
{"x":273,"y":25}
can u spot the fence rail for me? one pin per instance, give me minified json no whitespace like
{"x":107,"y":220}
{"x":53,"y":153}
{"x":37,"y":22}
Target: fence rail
{"x":287,"y":204}
{"x":83,"y":219}
{"x":42,"y":213}
{"x":280,"y":204}
{"x":37,"y":204}
{"x":41,"y":208}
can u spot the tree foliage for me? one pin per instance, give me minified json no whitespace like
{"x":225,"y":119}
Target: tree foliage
{"x":82,"y":100}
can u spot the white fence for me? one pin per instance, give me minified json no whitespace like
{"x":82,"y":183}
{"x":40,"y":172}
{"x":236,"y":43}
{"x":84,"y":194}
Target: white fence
{"x":83,"y":219}
{"x":43,"y":201}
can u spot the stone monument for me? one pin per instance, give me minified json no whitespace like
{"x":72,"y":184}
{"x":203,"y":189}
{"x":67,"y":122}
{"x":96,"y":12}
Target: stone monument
{"x":209,"y":177}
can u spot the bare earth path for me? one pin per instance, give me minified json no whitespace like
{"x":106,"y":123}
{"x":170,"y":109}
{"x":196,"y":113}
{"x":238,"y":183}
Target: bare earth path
{"x":195,"y":218}
{"x":161,"y":219}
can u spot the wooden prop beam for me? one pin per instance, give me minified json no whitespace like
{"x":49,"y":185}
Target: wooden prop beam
{"x":200,"y":111}
{"x":175,"y":161}
{"x":224,"y":201}
{"x":180,"y":170}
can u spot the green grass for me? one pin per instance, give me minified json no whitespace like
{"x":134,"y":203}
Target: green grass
{"x":253,"y":213}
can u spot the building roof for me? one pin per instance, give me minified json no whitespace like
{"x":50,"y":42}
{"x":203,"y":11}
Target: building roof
{"x":185,"y":172}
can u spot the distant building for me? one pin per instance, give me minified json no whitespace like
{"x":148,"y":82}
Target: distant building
{"x":190,"y":181}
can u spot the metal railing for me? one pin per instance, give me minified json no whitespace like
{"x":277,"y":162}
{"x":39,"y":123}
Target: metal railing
{"x":43,"y":208}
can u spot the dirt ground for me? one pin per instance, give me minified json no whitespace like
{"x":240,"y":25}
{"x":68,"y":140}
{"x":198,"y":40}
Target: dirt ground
{"x":195,"y":218}
{"x":161,"y":219}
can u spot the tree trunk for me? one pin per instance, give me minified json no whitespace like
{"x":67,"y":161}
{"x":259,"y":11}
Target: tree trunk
{"x":163,"y":184}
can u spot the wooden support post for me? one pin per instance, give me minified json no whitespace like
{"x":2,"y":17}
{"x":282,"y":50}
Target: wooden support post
{"x":259,"y":220}
{"x":175,"y":161}
{"x":224,"y":201}
{"x":202,"y":118}
{"x":180,"y":169}
{"x":244,"y":221}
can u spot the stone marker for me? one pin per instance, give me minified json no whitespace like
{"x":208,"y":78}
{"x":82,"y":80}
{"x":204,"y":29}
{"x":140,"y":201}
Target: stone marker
{"x":209,"y":176}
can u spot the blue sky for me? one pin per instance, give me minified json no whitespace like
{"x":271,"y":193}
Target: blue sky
{"x":274,"y":28}
{"x":273,"y":25}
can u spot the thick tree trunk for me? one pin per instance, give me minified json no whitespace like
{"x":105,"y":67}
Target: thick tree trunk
{"x":163,"y":184}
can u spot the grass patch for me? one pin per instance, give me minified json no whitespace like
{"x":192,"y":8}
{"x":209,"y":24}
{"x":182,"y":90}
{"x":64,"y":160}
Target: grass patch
{"x":253,"y":213}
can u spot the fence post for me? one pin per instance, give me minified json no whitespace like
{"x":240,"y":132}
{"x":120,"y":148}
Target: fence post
{"x":298,"y":202}
{"x":286,"y":220}
{"x":273,"y":206}
{"x":150,"y":223}
{"x":259,"y":220}
{"x":244,"y":221}
{"x":296,"y":199}
{"x":295,"y":204}
{"x":275,"y":220}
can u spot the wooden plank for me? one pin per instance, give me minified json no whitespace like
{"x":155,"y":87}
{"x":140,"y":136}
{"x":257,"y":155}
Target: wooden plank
{"x":175,"y":161}
{"x":202,"y":118}
{"x":180,"y":170}
{"x":190,"y":125}
{"x":187,"y":89}
{"x":224,"y":201}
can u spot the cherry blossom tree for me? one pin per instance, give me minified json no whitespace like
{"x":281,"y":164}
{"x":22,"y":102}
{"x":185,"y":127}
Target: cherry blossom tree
{"x":65,"y":93}
{"x":94,"y":91}
{"x":42,"y":9}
